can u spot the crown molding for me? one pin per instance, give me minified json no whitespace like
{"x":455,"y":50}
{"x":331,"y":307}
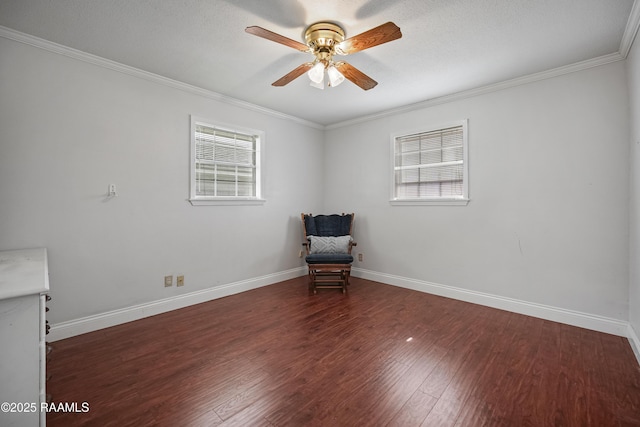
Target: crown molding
{"x":633,"y":24}
{"x":543,"y":75}
{"x":628,"y":37}
{"x":79,"y":55}
{"x":631,"y":30}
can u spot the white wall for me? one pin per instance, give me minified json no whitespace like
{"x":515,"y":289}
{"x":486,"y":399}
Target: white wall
{"x":549,"y":184}
{"x":633,"y":73}
{"x":548,"y":222}
{"x":69,"y":128}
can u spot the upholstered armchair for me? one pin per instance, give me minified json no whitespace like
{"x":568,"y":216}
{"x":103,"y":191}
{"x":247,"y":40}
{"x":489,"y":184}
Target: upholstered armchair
{"x":328,"y":242}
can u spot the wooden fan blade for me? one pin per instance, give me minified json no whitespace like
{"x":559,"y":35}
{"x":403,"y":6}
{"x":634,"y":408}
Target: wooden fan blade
{"x":270,"y":35}
{"x":356,"y":76}
{"x":288,"y":78}
{"x":375,"y":36}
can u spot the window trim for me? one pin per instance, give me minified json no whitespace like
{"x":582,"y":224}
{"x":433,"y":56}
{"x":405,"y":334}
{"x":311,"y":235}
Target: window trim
{"x":432,"y":201}
{"x":224,"y":200}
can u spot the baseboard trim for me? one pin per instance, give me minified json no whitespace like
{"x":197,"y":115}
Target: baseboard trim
{"x":561,"y":315}
{"x":116,"y":317}
{"x":634,"y":341}
{"x":96,"y":322}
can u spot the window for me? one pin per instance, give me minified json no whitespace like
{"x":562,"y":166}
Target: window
{"x":430,"y":166}
{"x":225,"y":164}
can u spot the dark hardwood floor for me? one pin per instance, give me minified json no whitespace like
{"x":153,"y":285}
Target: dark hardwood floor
{"x":378,"y":356}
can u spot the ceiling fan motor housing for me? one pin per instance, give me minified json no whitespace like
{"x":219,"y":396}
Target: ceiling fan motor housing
{"x":322,"y":37}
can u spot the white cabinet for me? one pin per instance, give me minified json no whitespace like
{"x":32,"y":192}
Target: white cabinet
{"x":24,"y":283}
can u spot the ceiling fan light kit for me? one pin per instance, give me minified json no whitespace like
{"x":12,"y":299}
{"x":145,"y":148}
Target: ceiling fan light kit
{"x":324,"y":40}
{"x":316,"y":73}
{"x":335,"y":76}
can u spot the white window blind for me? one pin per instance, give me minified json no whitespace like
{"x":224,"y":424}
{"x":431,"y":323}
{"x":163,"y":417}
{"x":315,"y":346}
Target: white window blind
{"x":430,"y":165}
{"x":225,"y":163}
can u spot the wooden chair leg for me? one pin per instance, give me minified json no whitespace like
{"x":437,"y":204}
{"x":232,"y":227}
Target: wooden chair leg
{"x":345,"y":281}
{"x":312,"y":281}
{"x":329,"y":276}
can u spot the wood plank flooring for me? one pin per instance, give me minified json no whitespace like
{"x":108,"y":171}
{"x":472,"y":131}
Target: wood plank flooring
{"x":378,"y":356}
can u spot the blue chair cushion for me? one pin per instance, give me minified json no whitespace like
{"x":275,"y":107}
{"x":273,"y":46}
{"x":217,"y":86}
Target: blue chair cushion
{"x":329,"y":259}
{"x":327,"y":225}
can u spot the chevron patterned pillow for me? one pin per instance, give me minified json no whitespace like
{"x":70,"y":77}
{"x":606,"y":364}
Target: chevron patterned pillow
{"x":329,"y":245}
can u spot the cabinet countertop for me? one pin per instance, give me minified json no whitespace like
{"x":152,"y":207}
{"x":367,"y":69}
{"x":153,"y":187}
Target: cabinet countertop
{"x":23,"y":272}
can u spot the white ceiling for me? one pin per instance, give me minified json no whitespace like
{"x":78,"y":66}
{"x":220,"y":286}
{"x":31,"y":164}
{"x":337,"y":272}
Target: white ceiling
{"x":448,"y":46}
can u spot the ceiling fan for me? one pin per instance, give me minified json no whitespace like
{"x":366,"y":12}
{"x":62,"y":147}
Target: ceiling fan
{"x":324,"y":40}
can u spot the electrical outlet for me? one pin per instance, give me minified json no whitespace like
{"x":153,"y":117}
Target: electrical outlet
{"x":180,"y":281}
{"x":360,"y":257}
{"x":168,"y":281}
{"x":300,"y":254}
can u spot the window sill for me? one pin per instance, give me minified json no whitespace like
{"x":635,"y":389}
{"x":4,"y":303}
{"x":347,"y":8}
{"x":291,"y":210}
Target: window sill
{"x":429,"y":202}
{"x":221,"y":201}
